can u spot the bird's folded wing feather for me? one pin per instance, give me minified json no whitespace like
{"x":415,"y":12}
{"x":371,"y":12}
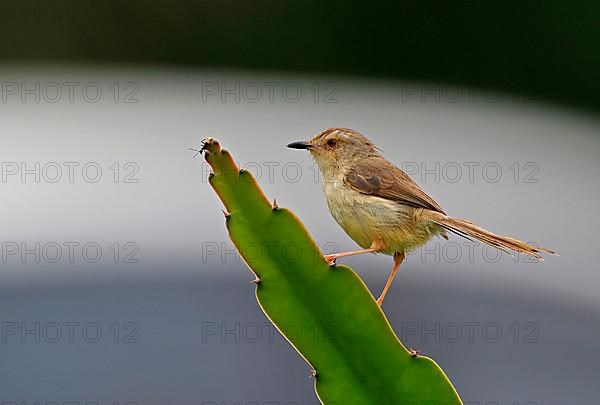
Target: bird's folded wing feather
{"x":378,"y":177}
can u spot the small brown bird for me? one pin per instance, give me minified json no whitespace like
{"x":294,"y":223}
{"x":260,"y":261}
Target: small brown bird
{"x":380,"y":207}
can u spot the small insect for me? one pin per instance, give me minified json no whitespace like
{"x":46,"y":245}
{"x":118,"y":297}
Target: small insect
{"x":414,"y":353}
{"x":204,"y":142}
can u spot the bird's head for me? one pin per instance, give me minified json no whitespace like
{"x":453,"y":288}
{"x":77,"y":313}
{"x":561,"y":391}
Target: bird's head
{"x":337,"y":148}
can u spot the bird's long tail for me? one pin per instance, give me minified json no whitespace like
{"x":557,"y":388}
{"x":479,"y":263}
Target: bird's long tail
{"x":470,"y":230}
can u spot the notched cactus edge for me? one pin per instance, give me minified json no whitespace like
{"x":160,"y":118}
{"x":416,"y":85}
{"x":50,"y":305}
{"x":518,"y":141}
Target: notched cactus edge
{"x":326,"y":313}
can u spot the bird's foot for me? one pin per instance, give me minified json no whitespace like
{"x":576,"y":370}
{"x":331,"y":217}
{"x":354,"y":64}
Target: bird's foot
{"x":380,"y":301}
{"x":414,"y":352}
{"x":331,"y":259}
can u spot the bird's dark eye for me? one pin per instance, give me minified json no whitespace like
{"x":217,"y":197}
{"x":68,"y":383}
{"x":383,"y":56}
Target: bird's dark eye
{"x":331,"y":142}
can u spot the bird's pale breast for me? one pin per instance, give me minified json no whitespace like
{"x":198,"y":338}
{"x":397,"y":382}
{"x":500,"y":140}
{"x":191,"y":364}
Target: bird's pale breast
{"x":367,"y":218}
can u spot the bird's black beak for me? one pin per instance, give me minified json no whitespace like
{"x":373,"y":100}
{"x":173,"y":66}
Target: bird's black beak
{"x":299,"y":145}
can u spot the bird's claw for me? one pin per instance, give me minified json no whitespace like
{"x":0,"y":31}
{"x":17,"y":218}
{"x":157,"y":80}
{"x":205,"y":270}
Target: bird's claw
{"x":331,"y":259}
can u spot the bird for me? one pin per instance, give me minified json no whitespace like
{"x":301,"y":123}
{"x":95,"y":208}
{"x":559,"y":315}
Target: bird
{"x":381,"y":208}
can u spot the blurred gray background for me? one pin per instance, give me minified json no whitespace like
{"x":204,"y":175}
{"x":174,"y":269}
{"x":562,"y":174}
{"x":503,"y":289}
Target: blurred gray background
{"x":119,"y":283}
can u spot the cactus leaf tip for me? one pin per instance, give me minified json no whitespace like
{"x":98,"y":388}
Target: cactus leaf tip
{"x":210,"y":144}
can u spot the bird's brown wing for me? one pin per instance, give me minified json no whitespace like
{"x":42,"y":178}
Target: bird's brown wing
{"x":376,"y":176}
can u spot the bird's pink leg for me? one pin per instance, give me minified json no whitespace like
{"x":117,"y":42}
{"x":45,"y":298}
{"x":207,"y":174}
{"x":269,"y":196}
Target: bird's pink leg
{"x":375,"y":246}
{"x":398,"y":258}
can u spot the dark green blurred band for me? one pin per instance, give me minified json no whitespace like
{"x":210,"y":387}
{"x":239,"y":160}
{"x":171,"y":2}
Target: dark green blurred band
{"x":548,"y":49}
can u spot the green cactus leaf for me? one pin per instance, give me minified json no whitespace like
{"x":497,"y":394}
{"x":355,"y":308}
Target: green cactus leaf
{"x":326,"y":313}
